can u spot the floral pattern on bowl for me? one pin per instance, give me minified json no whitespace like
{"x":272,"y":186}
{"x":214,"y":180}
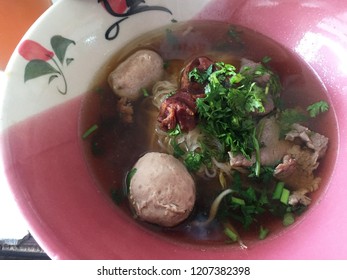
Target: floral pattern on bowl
{"x":39,"y":59}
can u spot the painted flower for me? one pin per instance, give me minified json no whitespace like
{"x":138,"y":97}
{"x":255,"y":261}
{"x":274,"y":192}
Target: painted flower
{"x":32,"y":50}
{"x":43,"y":62}
{"x":117,"y":6}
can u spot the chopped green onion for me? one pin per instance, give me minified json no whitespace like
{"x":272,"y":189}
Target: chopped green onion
{"x":285,"y":196}
{"x":237,"y":200}
{"x":89,"y":131}
{"x":129,"y":176}
{"x":175,"y":131}
{"x":231,"y":234}
{"x":266,"y":59}
{"x":288,"y":219}
{"x":166,"y":64}
{"x":263,"y":232}
{"x":257,"y":153}
{"x":278,"y":190}
{"x":117,"y":196}
{"x":145,"y":92}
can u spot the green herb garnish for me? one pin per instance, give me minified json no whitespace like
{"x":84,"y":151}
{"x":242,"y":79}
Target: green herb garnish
{"x":145,"y":92}
{"x":231,"y":234}
{"x":278,"y":190}
{"x":117,"y":196}
{"x":316,"y":108}
{"x":89,"y":131}
{"x":226,"y":112}
{"x":263,"y":232}
{"x":288,"y":219}
{"x":129,"y":176}
{"x":193,"y":161}
{"x":288,"y":117}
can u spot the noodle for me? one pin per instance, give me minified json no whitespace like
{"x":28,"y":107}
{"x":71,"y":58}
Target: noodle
{"x":189,"y":142}
{"x":161,"y":90}
{"x":215,"y":205}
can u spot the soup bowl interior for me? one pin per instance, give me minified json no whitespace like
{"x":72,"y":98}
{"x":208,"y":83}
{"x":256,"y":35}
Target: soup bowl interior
{"x":53,"y":71}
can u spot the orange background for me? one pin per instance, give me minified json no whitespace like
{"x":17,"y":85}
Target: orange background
{"x":16,"y":16}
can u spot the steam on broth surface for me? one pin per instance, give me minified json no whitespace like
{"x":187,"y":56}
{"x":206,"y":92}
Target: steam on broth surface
{"x":250,"y":196}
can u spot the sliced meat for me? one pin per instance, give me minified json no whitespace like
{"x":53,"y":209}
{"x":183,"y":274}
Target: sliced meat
{"x":273,"y":149}
{"x":302,"y":178}
{"x":299,"y":197}
{"x":249,"y":66}
{"x":286,"y":168}
{"x":269,"y":156}
{"x":268,"y":130}
{"x":269,"y":106}
{"x":313,"y":140}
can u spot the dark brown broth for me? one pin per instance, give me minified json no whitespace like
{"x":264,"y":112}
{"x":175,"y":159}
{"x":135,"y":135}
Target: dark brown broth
{"x":115,"y":147}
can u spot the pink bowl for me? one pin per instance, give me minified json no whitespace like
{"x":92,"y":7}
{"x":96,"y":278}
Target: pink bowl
{"x":70,"y":216}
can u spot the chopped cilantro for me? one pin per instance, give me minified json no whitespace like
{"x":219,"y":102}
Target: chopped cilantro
{"x":316,"y":108}
{"x":176,"y":131}
{"x":288,"y":117}
{"x":193,"y":161}
{"x":266,"y":59}
{"x":231,"y":97}
{"x":177,"y":151}
{"x":198,"y":76}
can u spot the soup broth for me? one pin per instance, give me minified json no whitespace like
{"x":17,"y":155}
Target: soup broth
{"x":112,"y":149}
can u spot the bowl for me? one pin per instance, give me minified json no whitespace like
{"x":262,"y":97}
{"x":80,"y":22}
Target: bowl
{"x":53,"y":69}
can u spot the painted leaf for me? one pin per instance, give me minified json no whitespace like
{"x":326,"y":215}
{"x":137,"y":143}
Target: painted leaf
{"x":31,"y":50}
{"x":51,"y":78}
{"x":68,"y":61}
{"x":60,"y":45}
{"x":37,"y":68}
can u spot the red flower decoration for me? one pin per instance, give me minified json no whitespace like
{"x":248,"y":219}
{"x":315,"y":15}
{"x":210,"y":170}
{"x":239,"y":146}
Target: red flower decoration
{"x":32,"y":50}
{"x":117,"y":6}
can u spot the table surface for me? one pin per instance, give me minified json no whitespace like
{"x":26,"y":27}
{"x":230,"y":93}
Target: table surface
{"x":15,"y":240}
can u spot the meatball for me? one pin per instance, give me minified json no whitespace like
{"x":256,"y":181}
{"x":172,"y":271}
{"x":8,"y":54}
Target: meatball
{"x":161,"y":190}
{"x":140,"y":70}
